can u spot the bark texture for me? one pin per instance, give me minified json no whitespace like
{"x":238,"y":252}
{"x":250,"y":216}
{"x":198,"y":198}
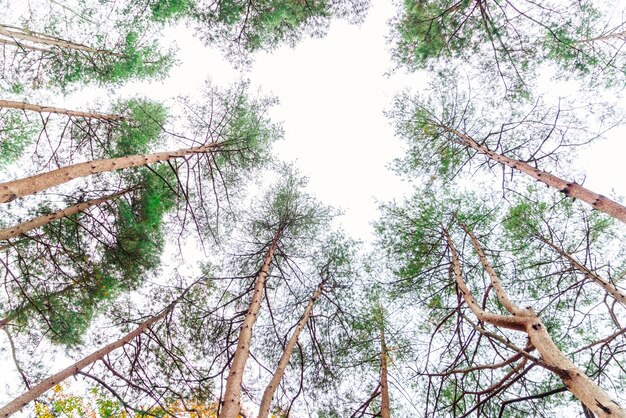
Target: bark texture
{"x":268,"y":394}
{"x":9,"y":104}
{"x":569,"y":189}
{"x":385,"y":406}
{"x":17,"y":230}
{"x":526,"y":320}
{"x":11,"y":190}
{"x":232,"y":394}
{"x":618,"y":294}
{"x":18,"y":34}
{"x":24,"y":399}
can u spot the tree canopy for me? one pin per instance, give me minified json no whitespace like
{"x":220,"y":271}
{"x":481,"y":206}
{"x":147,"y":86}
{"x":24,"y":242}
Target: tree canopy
{"x":159,"y":257}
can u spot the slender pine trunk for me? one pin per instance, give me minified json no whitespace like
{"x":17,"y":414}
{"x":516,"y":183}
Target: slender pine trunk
{"x":618,"y":294}
{"x":22,"y":46}
{"x":232,"y":394}
{"x":526,"y":320}
{"x":569,"y":189}
{"x":617,"y":35}
{"x":268,"y":394}
{"x":17,"y":230}
{"x":9,"y":104}
{"x":18,"y":34}
{"x":385,"y":405}
{"x":11,"y":190}
{"x":24,"y":399}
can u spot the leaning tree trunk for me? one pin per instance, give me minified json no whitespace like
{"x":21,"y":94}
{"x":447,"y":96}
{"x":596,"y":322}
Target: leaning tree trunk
{"x":385,"y":406}
{"x":618,"y":294}
{"x":18,"y":34}
{"x":526,"y":320}
{"x":569,"y":189}
{"x":24,"y":399}
{"x":609,"y":36}
{"x":268,"y":394}
{"x":11,"y":190}
{"x":9,"y":104}
{"x":232,"y":395}
{"x":17,"y":230}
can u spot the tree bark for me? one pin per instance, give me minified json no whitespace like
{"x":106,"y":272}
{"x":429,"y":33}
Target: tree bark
{"x":617,"y":35}
{"x":268,"y":394}
{"x":17,"y":230}
{"x":20,"y":34}
{"x":232,"y":395}
{"x":569,"y":189}
{"x":526,"y":320}
{"x":385,"y":406}
{"x":11,"y":190}
{"x":608,"y":287}
{"x":9,"y":104}
{"x":18,"y":403}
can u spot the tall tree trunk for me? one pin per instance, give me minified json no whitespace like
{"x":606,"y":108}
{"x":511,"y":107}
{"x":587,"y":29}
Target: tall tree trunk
{"x":11,"y":190}
{"x":9,"y":104}
{"x":18,"y":34}
{"x":18,"y":403}
{"x":22,"y":46}
{"x":232,"y":395}
{"x":617,"y":35}
{"x":268,"y":394}
{"x":526,"y":320}
{"x":570,"y":189}
{"x":17,"y":230}
{"x":384,"y":384}
{"x":610,"y":288}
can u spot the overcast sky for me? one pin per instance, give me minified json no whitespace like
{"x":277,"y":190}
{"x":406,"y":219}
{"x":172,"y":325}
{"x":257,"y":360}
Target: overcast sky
{"x":332,"y":93}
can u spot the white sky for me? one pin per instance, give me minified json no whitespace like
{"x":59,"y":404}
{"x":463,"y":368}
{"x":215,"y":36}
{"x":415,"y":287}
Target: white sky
{"x":332,"y":93}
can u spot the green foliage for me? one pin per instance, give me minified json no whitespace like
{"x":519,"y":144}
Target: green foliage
{"x":424,"y":37}
{"x":133,"y":62}
{"x":287,"y":209}
{"x":88,"y":275}
{"x":506,"y":41}
{"x":163,"y":10}
{"x":112,"y":59}
{"x":139,"y":239}
{"x":141,"y":129}
{"x":16,"y":133}
{"x":431,"y":151}
{"x":411,"y":233}
{"x":265,"y":24}
{"x":248,"y":130}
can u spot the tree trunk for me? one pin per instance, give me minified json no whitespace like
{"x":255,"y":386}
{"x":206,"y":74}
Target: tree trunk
{"x":384,"y":385}
{"x":617,"y":35}
{"x":268,"y":394}
{"x":232,"y":395}
{"x":17,"y":34}
{"x":17,"y":230}
{"x":18,"y":403}
{"x":9,"y":104}
{"x":526,"y":320}
{"x":608,"y":287}
{"x":570,"y":189}
{"x":11,"y":190}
